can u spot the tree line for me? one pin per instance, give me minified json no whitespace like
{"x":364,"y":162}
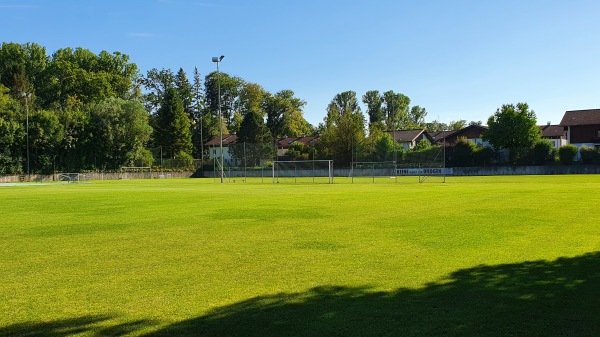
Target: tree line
{"x":76,"y":111}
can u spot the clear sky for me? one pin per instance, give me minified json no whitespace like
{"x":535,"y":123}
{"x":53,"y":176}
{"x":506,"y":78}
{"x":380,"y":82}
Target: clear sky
{"x":460,"y":59}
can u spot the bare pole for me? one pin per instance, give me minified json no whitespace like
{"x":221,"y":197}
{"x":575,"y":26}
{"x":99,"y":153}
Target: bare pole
{"x":218,"y":60}
{"x":27,"y":95}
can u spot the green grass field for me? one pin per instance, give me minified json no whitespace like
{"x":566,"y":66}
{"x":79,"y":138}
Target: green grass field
{"x":476,"y":256}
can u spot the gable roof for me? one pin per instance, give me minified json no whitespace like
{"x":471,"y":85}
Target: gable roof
{"x":552,"y":130}
{"x":286,"y":142}
{"x":439,"y":135}
{"x":227,"y":139}
{"x":581,"y":117}
{"x":404,"y":136}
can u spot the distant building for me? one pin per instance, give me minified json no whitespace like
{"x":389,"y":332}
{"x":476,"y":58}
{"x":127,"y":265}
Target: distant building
{"x":410,"y":138}
{"x":472,"y":133}
{"x":582,"y":127}
{"x":554,"y":133}
{"x":214,"y":150}
{"x":283,"y":144}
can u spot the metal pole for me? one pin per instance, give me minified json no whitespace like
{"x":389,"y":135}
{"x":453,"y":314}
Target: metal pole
{"x":444,"y":154}
{"x":27,"y":127}
{"x":220,"y":121}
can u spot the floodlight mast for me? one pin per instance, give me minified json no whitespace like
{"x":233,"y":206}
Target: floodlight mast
{"x":26,"y":95}
{"x":218,"y":60}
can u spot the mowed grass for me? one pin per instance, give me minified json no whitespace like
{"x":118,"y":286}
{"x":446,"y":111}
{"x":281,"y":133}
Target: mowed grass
{"x":476,"y":256}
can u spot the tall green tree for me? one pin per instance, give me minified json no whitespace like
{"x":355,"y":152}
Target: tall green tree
{"x":344,"y":129}
{"x":157,"y":82}
{"x":374,"y":102}
{"x":230,"y":95}
{"x":457,"y":125}
{"x":12,"y":135}
{"x":395,"y":106}
{"x":186,"y":92}
{"x":23,"y":68}
{"x":199,"y":127}
{"x":513,"y":127}
{"x":258,"y":139}
{"x":284,"y":115}
{"x":78,"y":77}
{"x":416,"y":117}
{"x":120,"y":130}
{"x":172,"y":126}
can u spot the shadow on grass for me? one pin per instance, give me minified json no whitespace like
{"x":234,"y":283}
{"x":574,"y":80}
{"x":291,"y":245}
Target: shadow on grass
{"x":539,"y":298}
{"x":84,"y":326}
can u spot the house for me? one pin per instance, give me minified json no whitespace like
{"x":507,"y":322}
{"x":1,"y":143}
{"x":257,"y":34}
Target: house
{"x":582,"y":127}
{"x":472,"y":133}
{"x":410,"y":138}
{"x":214,"y":148}
{"x":283,"y":144}
{"x":554,"y":133}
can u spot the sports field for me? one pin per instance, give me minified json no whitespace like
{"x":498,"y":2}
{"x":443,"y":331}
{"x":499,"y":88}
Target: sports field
{"x":476,"y":256}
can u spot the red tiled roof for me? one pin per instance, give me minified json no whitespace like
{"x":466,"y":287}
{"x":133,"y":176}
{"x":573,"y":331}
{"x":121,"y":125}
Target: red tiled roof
{"x":552,"y":131}
{"x":581,"y":117}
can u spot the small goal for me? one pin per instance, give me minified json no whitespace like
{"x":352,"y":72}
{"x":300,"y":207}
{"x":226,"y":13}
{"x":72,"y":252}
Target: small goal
{"x":307,"y":171}
{"x":74,"y":178}
{"x":135,"y":172}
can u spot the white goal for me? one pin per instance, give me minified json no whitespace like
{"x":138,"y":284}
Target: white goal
{"x":135,"y":172}
{"x":307,"y":171}
{"x":74,"y":178}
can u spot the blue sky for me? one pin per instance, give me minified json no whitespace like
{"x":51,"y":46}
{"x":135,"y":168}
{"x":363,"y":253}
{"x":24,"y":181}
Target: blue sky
{"x":460,"y":59}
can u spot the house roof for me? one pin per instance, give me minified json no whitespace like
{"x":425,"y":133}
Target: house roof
{"x":581,"y":117}
{"x":281,"y":142}
{"x":403,"y":136}
{"x":552,"y":131}
{"x":227,"y":139}
{"x":439,"y":135}
{"x":286,"y":142}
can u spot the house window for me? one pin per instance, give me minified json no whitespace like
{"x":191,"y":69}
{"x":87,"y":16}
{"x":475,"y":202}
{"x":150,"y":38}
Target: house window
{"x":214,"y":152}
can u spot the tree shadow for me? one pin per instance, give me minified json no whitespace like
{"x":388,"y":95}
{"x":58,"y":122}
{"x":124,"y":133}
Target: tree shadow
{"x":539,"y":298}
{"x":85,"y":325}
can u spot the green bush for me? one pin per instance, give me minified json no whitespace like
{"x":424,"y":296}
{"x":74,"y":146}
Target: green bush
{"x":462,"y":154}
{"x":567,"y":153}
{"x":590,"y":155}
{"x":542,"y":152}
{"x":483,"y":156}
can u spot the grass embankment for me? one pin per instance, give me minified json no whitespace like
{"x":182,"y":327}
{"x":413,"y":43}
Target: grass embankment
{"x":475,"y":256}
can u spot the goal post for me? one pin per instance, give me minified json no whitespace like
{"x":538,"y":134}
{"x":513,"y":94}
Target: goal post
{"x":374,"y":171}
{"x":297,"y":171}
{"x":135,"y":172}
{"x":74,"y":178}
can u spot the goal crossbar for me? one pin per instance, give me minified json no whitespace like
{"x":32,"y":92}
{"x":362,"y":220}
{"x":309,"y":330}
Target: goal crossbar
{"x":303,"y":169}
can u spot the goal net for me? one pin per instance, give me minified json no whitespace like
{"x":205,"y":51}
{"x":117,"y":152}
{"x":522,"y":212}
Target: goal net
{"x":384,"y":171}
{"x":135,"y":172}
{"x":303,"y":171}
{"x":427,"y":165}
{"x":74,"y":178}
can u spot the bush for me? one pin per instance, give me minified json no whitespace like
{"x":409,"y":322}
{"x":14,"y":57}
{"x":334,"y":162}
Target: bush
{"x":542,"y":152}
{"x":567,"y":153}
{"x":483,"y":156}
{"x":462,"y":154}
{"x":590,"y":155}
